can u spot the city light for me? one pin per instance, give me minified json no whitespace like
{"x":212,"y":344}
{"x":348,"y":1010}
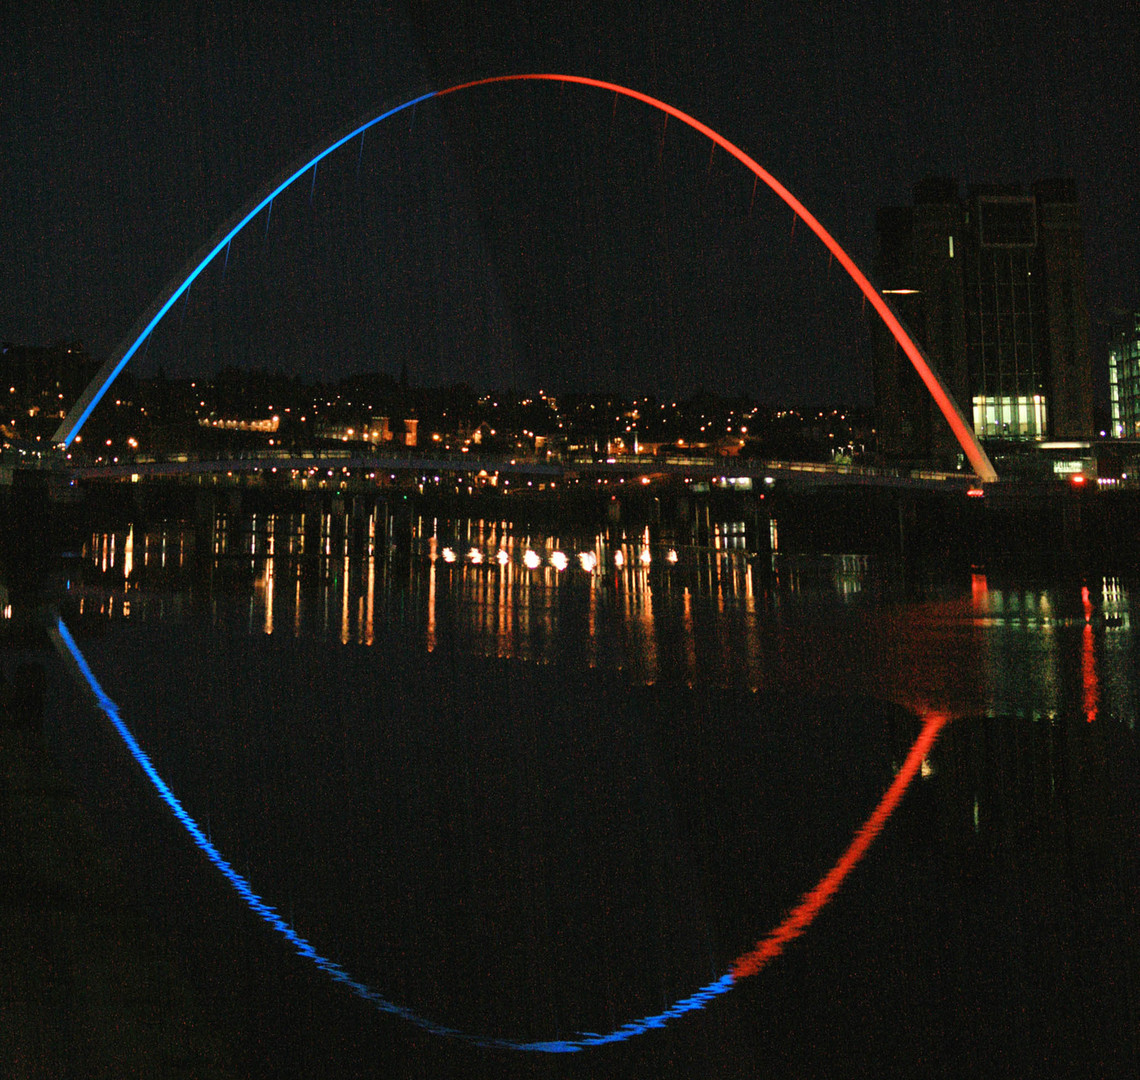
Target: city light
{"x":963,"y":432}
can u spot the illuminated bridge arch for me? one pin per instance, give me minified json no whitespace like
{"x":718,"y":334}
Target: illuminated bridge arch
{"x":181,"y":283}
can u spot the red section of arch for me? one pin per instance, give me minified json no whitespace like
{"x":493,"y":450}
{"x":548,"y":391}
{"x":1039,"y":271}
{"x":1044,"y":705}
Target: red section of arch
{"x":962,"y":431}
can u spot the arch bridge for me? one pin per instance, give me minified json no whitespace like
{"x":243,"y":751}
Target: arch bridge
{"x":182,"y":281}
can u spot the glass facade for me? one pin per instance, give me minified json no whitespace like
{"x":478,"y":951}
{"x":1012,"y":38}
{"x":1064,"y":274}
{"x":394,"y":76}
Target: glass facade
{"x":1007,"y":338}
{"x":1010,"y":417}
{"x":1124,"y":379}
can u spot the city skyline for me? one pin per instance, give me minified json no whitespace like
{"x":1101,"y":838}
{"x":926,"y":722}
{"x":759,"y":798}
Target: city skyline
{"x":526,"y":275}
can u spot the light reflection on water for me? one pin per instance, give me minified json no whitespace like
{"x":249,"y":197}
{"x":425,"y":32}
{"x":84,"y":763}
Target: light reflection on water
{"x":516,"y":795}
{"x":649,"y":606}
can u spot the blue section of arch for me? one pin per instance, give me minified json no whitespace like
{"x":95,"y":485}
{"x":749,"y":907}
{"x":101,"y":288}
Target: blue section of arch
{"x":220,"y":246}
{"x":265,"y":911}
{"x":963,"y":432}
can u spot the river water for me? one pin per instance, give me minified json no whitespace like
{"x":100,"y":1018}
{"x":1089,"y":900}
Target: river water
{"x":493,"y":804}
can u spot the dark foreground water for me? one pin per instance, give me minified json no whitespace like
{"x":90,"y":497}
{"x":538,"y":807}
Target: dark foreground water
{"x":469,"y":786}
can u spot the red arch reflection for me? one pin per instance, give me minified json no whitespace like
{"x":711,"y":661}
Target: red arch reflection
{"x":802,"y":915}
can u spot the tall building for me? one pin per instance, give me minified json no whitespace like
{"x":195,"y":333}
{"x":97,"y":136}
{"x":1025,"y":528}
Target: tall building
{"x":992,"y":287}
{"x":1124,"y":376}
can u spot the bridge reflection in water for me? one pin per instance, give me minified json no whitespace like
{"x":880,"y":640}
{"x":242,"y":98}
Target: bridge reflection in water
{"x":749,"y":963}
{"x":722,"y":805}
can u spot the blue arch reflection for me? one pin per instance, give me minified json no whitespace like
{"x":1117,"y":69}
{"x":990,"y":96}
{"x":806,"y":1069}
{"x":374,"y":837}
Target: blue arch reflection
{"x":304,"y":948}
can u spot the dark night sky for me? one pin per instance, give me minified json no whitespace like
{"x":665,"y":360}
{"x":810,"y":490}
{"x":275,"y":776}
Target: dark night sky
{"x":531,"y":235}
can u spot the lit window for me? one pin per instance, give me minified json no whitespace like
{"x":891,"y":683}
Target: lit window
{"x":1010,"y":417}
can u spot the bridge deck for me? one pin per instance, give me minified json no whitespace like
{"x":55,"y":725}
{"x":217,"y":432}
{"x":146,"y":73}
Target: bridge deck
{"x":729,"y":471}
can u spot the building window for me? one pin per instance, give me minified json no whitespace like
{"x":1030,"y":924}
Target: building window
{"x":1124,"y":379}
{"x":1010,"y":417}
{"x":1114,"y":394}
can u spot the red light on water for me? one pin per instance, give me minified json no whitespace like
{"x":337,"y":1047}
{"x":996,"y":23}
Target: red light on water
{"x":802,"y":915}
{"x":1090,"y":684}
{"x":976,"y":493}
